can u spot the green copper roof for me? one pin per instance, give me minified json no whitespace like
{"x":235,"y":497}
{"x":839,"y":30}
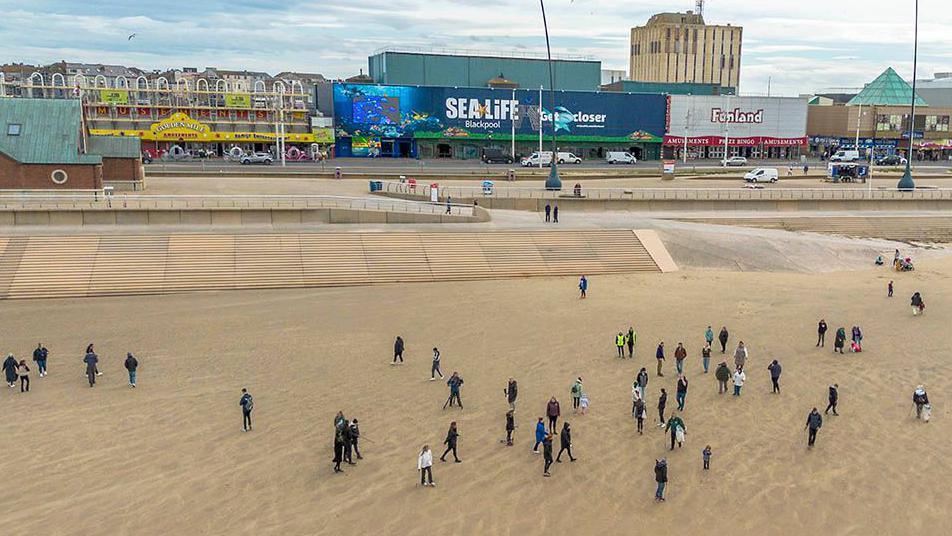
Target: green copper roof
{"x":114,"y":146}
{"x":47,"y":131}
{"x":889,"y":89}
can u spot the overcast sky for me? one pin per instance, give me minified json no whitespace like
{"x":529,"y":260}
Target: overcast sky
{"x":801,"y":45}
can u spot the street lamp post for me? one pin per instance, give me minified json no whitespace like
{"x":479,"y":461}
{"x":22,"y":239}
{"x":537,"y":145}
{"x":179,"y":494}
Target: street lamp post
{"x":906,"y":183}
{"x":553,"y":182}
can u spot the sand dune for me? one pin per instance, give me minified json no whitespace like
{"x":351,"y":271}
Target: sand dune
{"x":169,"y":456}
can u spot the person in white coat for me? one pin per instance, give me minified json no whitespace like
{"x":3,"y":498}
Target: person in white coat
{"x":425,"y":465}
{"x":739,"y":379}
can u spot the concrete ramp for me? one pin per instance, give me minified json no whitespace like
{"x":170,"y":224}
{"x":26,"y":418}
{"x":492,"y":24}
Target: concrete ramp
{"x":88,"y":266}
{"x":918,"y":229}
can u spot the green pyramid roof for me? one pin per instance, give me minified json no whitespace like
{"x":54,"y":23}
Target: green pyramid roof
{"x":889,"y":89}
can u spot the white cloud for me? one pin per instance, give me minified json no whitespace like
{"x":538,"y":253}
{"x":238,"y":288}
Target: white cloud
{"x":798,"y":46}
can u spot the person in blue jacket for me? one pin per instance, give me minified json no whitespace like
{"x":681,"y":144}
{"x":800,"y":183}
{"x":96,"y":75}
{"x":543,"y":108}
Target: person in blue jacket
{"x":540,"y":435}
{"x":583,"y":286}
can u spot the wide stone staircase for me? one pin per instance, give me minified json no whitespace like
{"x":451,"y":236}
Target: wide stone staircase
{"x":87,"y":266}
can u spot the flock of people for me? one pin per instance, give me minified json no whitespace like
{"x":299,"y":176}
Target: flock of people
{"x":15,"y":370}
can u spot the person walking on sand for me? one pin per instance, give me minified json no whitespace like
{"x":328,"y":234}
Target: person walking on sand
{"x":620,"y":344}
{"x":659,"y":355}
{"x":706,"y":457}
{"x":355,"y":437}
{"x":680,"y":353}
{"x":821,"y":333}
{"x":398,"y":350}
{"x":739,"y":379}
{"x":921,"y":399}
{"x":24,"y":372}
{"x":814,"y":422}
{"x":91,"y":370}
{"x":889,"y":289}
{"x":706,"y":357}
{"x":565,"y":438}
{"x":548,"y":213}
{"x":661,"y":477}
{"x":39,"y":356}
{"x":547,"y":453}
{"x":539,"y":435}
{"x":722,"y":375}
{"x":682,"y":391}
{"x":918,"y":306}
{"x":642,"y":381}
{"x":630,"y":341}
{"x":247,"y":403}
{"x":709,"y":336}
{"x":583,"y":403}
{"x":90,"y":350}
{"x":348,"y":444}
{"x":740,"y":355}
{"x":676,"y":427}
{"x":425,"y":466}
{"x":435,"y":368}
{"x":10,"y":370}
{"x":552,"y":411}
{"x":857,"y":335}
{"x":582,"y":287}
{"x":339,"y":441}
{"x":662,"y":403}
{"x":840,"y":340}
{"x":834,"y":398}
{"x":722,"y":337}
{"x":638,"y":410}
{"x":132,"y":365}
{"x":510,"y":426}
{"x":576,"y":394}
{"x":512,"y":392}
{"x":775,"y":370}
{"x":454,"y":383}
{"x":452,"y":436}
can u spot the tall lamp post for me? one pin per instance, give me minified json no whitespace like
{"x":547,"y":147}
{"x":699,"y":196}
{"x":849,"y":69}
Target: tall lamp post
{"x":906,"y":183}
{"x":553,"y":182}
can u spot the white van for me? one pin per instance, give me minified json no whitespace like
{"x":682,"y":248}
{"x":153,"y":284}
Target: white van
{"x":534,"y":159}
{"x":845,"y":156}
{"x":569,"y":158}
{"x":762,"y":175}
{"x":617,"y":157}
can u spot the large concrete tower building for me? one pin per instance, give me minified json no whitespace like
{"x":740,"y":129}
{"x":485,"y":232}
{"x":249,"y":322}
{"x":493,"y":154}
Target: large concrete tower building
{"x":680,"y":47}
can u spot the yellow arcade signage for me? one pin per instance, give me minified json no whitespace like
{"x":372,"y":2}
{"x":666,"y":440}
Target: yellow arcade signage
{"x":181,"y":127}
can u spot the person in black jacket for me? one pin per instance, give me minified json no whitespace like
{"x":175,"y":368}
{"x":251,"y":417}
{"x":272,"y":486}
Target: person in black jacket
{"x":354,"y":436}
{"x":662,"y":402}
{"x":398,"y":350}
{"x":510,"y":426}
{"x":775,"y":371}
{"x":40,"y":355}
{"x":661,"y":477}
{"x":132,"y":365}
{"x":246,"y":402}
{"x":92,"y":371}
{"x":814,"y":422}
{"x":821,"y":333}
{"x":339,"y":424}
{"x":566,"y":439}
{"x":834,"y":398}
{"x":451,"y":437}
{"x":348,"y":444}
{"x":10,"y":369}
{"x":722,"y":337}
{"x":547,"y":454}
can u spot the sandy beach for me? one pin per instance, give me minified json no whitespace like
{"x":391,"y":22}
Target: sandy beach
{"x":169,"y":457}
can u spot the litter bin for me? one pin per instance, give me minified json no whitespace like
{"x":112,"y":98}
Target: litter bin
{"x":376,"y":186}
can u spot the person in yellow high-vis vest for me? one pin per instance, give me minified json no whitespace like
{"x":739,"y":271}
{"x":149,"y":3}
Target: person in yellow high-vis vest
{"x":620,"y":344}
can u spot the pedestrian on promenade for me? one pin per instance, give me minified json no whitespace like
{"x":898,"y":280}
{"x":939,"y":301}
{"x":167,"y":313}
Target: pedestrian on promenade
{"x":555,"y":214}
{"x":548,"y":212}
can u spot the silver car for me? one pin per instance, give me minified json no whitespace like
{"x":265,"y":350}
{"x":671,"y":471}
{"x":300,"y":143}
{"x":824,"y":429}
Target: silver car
{"x":257,"y":158}
{"x":735,"y":161}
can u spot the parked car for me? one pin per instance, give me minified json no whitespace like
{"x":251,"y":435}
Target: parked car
{"x":492,"y":155}
{"x":569,"y":158}
{"x":848,"y":155}
{"x":734,"y":161}
{"x":617,"y":157}
{"x":761,"y":175}
{"x":257,"y":158}
{"x":891,"y":160}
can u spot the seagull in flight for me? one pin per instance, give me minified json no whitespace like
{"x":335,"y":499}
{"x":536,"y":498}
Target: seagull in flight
{"x":130,"y":37}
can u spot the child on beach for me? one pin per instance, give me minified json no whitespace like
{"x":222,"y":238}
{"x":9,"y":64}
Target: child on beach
{"x":889,"y":290}
{"x":583,"y":403}
{"x":706,"y":456}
